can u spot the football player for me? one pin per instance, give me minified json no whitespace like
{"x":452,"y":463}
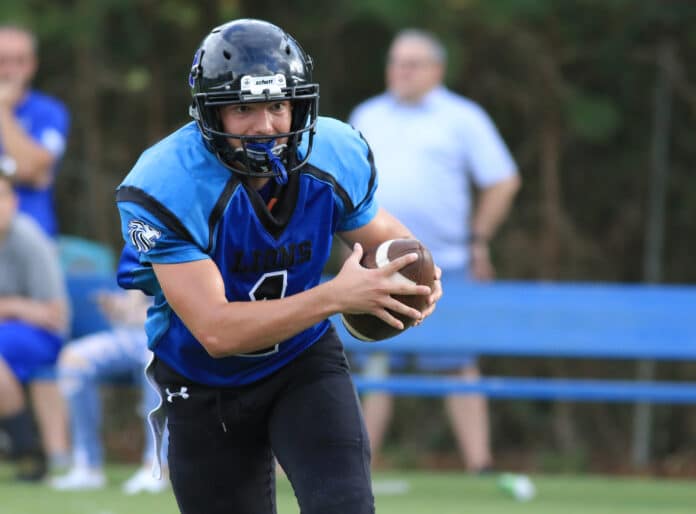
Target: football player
{"x":228,"y":222}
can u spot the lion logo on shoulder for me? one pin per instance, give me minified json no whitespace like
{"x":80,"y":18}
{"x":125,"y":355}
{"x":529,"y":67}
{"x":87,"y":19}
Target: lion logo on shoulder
{"x":142,"y":235}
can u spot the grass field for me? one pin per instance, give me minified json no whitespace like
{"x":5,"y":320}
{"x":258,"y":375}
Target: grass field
{"x":396,"y":493}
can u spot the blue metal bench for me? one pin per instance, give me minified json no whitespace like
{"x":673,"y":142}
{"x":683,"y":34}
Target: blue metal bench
{"x":525,"y":319}
{"x":537,"y":319}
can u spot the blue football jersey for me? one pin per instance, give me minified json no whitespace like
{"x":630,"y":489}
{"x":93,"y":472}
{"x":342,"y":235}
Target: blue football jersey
{"x":180,"y":204}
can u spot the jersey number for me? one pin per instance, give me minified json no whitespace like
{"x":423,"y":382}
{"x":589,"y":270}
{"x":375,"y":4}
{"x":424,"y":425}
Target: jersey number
{"x":270,"y":286}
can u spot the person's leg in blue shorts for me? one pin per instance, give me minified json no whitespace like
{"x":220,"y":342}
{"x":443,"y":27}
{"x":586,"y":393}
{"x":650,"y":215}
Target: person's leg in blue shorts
{"x":24,"y":351}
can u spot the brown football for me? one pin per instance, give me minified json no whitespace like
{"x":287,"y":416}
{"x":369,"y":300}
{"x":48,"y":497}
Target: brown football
{"x":367,"y":327}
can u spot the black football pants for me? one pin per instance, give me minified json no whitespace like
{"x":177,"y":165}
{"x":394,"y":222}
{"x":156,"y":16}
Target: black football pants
{"x":222,"y":441}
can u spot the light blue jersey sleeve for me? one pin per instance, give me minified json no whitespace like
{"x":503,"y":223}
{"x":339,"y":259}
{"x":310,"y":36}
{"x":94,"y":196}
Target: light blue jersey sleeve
{"x":361,"y":181}
{"x":342,"y":153}
{"x":166,"y":200}
{"x":153,"y":240}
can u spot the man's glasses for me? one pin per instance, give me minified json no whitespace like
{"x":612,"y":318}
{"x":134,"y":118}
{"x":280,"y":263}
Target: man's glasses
{"x":411,"y":64}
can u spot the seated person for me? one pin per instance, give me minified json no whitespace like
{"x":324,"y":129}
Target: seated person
{"x":83,"y":363}
{"x":33,"y":322}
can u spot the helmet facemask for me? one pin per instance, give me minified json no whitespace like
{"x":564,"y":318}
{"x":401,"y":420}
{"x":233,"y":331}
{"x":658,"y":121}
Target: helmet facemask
{"x":259,"y":155}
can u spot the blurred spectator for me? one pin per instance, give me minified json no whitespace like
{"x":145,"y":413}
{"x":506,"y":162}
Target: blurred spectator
{"x":33,"y":321}
{"x":33,"y":127}
{"x":33,"y":131}
{"x":428,"y":144}
{"x":83,"y":364}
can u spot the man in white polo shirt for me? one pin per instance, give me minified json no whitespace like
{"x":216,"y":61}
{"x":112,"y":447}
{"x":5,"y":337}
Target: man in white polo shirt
{"x":429,"y":145}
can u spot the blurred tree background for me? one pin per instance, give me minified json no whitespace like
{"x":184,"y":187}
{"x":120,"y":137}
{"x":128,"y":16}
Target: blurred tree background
{"x":595,"y":98}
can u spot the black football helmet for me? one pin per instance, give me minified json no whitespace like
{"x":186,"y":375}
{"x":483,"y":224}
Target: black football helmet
{"x":246,"y":61}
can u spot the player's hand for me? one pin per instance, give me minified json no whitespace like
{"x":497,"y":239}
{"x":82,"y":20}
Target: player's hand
{"x":434,"y":296}
{"x":361,"y":290}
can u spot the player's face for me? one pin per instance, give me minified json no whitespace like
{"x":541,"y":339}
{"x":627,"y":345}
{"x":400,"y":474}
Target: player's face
{"x":257,"y":119}
{"x":17,"y":58}
{"x":412,"y":70}
{"x":8,"y":204}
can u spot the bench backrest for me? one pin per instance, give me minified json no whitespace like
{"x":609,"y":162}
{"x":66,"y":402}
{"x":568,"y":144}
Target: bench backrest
{"x":553,"y":319}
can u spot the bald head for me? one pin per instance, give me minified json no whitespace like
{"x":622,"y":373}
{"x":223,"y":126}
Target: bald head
{"x":416,"y":65}
{"x":17,"y":55}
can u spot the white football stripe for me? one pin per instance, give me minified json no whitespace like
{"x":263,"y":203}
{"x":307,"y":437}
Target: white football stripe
{"x":382,"y":253}
{"x":398,"y":278}
{"x":353,"y":332}
{"x":382,"y":259}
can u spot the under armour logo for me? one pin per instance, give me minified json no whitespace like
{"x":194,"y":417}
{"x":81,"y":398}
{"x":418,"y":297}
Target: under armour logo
{"x":181,"y":393}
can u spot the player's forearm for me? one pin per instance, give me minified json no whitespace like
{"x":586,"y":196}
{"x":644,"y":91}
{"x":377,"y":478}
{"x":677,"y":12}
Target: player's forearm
{"x":384,"y":226}
{"x":50,"y":315}
{"x":242,"y":327}
{"x":33,"y":162}
{"x":493,"y":206}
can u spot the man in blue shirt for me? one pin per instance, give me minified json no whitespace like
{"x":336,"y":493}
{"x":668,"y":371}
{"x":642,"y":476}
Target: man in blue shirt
{"x":228,"y":223}
{"x":33,"y":128}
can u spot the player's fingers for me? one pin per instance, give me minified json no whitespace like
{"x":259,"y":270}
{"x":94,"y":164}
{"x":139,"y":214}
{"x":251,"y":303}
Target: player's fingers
{"x":428,"y":311}
{"x":357,"y":253}
{"x":389,"y":319}
{"x":401,"y":308}
{"x":436,"y":292}
{"x":398,"y":263}
{"x":404,"y":286}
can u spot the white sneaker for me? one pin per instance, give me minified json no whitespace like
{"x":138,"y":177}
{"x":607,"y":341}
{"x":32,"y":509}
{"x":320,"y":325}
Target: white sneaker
{"x":79,"y":479}
{"x":143,"y":481}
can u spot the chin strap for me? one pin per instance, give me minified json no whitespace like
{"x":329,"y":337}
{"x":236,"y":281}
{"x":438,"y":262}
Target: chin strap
{"x":279,"y":172}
